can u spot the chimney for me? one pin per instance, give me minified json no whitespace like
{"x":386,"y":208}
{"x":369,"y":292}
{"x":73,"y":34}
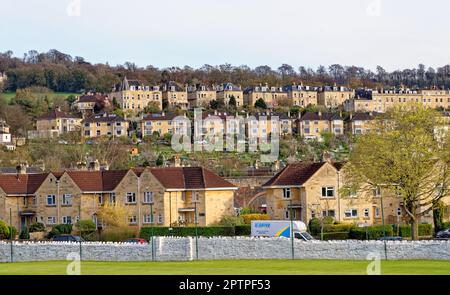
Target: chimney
{"x":177,"y":161}
{"x":320,"y":113}
{"x":95,"y":165}
{"x":81,"y":166}
{"x":163,"y":114}
{"x":22,"y":168}
{"x":351,"y":116}
{"x":215,"y":112}
{"x":276,"y":166}
{"x":326,"y":157}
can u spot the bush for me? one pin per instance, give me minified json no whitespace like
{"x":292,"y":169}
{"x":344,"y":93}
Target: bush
{"x":231,"y":221}
{"x":37,"y":227}
{"x":4,"y":230}
{"x":117,"y":234}
{"x":243,"y":230}
{"x":54,"y":232}
{"x":405,"y":230}
{"x":446,"y":225}
{"x":24,"y":234}
{"x":87,"y":228}
{"x":328,"y":226}
{"x":207,"y":231}
{"x":64,"y":229}
{"x":336,"y":236}
{"x":12,"y":232}
{"x":255,"y":216}
{"x":371,"y":232}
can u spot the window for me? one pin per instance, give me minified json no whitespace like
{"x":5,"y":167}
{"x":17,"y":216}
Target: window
{"x":377,"y":212}
{"x":287,"y":193}
{"x":195,"y":196}
{"x":112,"y":198}
{"x":377,"y":192}
{"x":131,"y":198}
{"x":366,"y":213}
{"x":66,"y":220}
{"x":313,"y":214}
{"x":399,"y":211}
{"x":351,"y":213}
{"x":66,"y":200}
{"x":329,"y":213}
{"x":328,"y":192}
{"x":100,"y":199}
{"x":51,"y":220}
{"x":148,"y":218}
{"x":132,"y":219}
{"x":148,"y":197}
{"x":51,"y":200}
{"x":183,"y":196}
{"x":286,"y":214}
{"x":160,"y":218}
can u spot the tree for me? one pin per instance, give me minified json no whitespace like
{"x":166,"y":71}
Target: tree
{"x":260,"y":104}
{"x":113,"y":214}
{"x":232,"y":102}
{"x":160,"y":160}
{"x":407,"y":156}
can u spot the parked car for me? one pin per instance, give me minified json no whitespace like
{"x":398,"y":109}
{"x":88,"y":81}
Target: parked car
{"x":67,"y":238}
{"x":136,"y":241}
{"x":62,"y":142}
{"x":443,"y":234}
{"x":390,"y":239}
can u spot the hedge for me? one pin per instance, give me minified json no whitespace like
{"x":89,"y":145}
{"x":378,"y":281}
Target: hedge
{"x":370,"y":232}
{"x":4,"y":230}
{"x":243,"y":230}
{"x":446,"y":225}
{"x":405,"y":230}
{"x":254,"y":216}
{"x":336,"y":236}
{"x":208,"y":231}
{"x":37,"y":227}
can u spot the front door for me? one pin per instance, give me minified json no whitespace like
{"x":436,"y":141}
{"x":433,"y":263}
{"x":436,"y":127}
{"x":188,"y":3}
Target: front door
{"x":23,"y":222}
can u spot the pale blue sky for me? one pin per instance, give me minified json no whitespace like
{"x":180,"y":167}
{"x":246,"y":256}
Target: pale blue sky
{"x":392,"y":33}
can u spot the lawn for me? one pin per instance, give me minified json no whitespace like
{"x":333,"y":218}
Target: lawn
{"x":8,"y":96}
{"x":230,"y":267}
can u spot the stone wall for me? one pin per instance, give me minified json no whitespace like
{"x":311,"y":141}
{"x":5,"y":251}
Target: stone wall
{"x":183,"y":248}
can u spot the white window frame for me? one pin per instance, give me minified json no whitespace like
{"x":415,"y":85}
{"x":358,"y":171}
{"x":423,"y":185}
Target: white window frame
{"x":366,"y":213}
{"x":112,"y":198}
{"x":327,"y":190}
{"x":51,"y":220}
{"x":287,"y":193}
{"x":66,"y":219}
{"x":132,"y":219}
{"x":148,"y":198}
{"x":351,"y":211}
{"x":66,"y":200}
{"x":130,"y":194}
{"x":54,"y":200}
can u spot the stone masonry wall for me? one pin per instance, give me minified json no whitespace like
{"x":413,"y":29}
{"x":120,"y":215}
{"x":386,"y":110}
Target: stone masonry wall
{"x":183,"y":249}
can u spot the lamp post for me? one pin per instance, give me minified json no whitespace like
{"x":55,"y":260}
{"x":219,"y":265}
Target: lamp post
{"x":291,"y":227}
{"x":79,"y":227}
{"x":194,"y":200}
{"x":384,"y":229}
{"x":151,"y":229}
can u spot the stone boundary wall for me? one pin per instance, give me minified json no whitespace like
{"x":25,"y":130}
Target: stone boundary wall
{"x":183,"y":249}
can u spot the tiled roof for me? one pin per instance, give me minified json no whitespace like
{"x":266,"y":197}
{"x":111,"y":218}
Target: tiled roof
{"x":363,"y":116}
{"x":55,"y":114}
{"x":21,"y":184}
{"x":106,"y":181}
{"x":229,"y":87}
{"x":294,"y":174}
{"x":189,"y":178}
{"x":281,"y":116}
{"x":92,"y":98}
{"x":168,"y":86}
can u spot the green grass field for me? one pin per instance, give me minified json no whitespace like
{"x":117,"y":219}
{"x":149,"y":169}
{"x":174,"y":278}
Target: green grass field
{"x":229,"y":267}
{"x":8,"y":96}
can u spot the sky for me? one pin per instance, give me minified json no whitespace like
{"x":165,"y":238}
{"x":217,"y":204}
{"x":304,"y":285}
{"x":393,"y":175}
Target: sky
{"x":395,"y":34}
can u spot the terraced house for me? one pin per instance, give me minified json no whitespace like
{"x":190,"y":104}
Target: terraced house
{"x":200,"y":95}
{"x":383,"y":99}
{"x":105,"y":124}
{"x":270,"y":95}
{"x":174,"y":195}
{"x":301,"y":95}
{"x":313,"y":125}
{"x":87,"y":103}
{"x":228,"y":90}
{"x":174,"y":95}
{"x":164,"y":123}
{"x":135,"y":96}
{"x":360,"y":123}
{"x":334,"y":96}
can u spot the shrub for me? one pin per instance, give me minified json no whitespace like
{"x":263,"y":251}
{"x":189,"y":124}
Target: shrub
{"x":118,"y":234}
{"x":12,"y":232}
{"x":446,"y":225}
{"x":37,"y":227}
{"x":64,"y":229}
{"x":207,"y":231}
{"x":371,"y":232}
{"x":405,"y":230}
{"x":336,"y":236}
{"x":4,"y":230}
{"x":24,"y":234}
{"x":87,"y":228}
{"x":256,"y":216}
{"x":231,"y":221}
{"x":242,"y":230}
{"x":315,"y":226}
{"x":54,"y":232}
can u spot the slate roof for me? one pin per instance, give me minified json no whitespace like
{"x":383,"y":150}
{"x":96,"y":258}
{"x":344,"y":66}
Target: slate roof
{"x":294,"y":174}
{"x":159,"y":117}
{"x":57,"y":114}
{"x":317,"y":116}
{"x":104,"y":118}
